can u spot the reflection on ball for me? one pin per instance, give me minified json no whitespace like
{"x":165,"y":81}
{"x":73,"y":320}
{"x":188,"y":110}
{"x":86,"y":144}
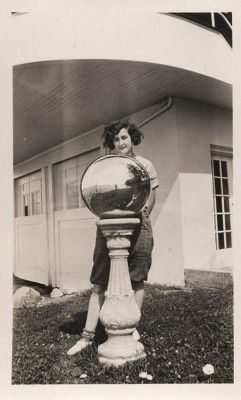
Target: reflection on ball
{"x":115,"y":186}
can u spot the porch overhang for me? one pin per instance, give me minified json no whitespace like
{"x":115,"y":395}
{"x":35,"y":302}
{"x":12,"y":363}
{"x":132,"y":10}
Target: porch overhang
{"x":55,"y":101}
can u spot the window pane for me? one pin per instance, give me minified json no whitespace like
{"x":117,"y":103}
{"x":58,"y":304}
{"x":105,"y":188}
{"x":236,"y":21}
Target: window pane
{"x":26,"y":187}
{"x":26,"y":199}
{"x":220,"y":222}
{"x":226,"y":204}
{"x":227,"y":222}
{"x":221,"y":240}
{"x":36,"y":203}
{"x":224,"y":169}
{"x":71,"y":173}
{"x":225,"y":186}
{"x":216,"y":168}
{"x":26,"y":205}
{"x":72,"y":195}
{"x":219,"y":203}
{"x":217,"y":186}
{"x":229,"y":240}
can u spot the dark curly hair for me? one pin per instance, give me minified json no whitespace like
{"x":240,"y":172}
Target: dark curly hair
{"x":110,"y":131}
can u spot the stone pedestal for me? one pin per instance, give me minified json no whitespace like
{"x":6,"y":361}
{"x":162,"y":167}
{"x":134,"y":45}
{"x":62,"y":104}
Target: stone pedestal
{"x":120,"y":312}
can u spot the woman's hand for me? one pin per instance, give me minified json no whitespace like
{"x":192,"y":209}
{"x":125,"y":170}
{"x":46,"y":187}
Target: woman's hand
{"x":151,"y":201}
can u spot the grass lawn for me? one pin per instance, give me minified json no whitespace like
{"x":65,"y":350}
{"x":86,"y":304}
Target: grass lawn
{"x":181,"y":330}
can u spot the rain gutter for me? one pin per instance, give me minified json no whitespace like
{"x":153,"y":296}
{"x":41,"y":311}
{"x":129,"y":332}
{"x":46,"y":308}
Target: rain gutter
{"x":162,"y":110}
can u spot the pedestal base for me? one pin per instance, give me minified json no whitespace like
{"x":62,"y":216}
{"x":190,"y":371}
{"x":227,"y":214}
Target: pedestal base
{"x":120,"y":349}
{"x":120,"y":313}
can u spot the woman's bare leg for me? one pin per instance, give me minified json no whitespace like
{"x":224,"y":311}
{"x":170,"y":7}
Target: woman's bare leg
{"x":96,"y":301}
{"x":139,"y":290}
{"x":95,"y":304}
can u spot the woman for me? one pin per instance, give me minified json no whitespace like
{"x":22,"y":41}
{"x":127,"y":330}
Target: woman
{"x":121,"y":136}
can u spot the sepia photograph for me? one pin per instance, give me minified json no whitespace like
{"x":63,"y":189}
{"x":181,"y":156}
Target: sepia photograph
{"x":122,"y":199}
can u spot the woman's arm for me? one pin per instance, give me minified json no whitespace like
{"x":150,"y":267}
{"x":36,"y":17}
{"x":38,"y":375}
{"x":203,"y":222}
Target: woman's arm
{"x":151,"y":201}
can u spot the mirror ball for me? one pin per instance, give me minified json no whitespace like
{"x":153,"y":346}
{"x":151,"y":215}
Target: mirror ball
{"x":115,"y":186}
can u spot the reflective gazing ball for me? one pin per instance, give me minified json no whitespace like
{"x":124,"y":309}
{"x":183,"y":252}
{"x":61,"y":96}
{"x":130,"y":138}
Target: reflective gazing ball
{"x":115,"y":186}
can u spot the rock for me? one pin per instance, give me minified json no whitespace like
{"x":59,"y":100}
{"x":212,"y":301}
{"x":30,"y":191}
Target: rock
{"x":143,"y":375}
{"x":25,"y":297}
{"x":56,"y":293}
{"x":208,"y":369}
{"x":68,"y":289}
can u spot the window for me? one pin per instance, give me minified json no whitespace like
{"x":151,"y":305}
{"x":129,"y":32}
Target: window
{"x":29,"y":195}
{"x":67,"y":178}
{"x":221,"y":198}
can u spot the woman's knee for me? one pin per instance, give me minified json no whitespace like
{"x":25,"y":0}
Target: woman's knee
{"x":100,"y":289}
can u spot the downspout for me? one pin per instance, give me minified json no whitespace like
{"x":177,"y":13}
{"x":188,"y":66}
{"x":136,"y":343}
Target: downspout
{"x":162,"y":110}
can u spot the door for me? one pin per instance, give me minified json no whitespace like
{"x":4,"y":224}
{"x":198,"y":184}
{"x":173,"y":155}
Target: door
{"x":31,"y":249}
{"x":75,"y":227}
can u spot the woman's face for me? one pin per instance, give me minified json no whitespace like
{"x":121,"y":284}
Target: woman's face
{"x":123,"y":143}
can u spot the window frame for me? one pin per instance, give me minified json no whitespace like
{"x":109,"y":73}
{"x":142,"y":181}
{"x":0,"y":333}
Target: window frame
{"x":25,"y":187}
{"x":222,"y":208}
{"x":70,"y":171}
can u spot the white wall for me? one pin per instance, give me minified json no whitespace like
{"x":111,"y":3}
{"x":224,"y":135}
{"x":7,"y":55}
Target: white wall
{"x":178,"y":142}
{"x":199,"y":126}
{"x":80,"y":33}
{"x":160,"y":145}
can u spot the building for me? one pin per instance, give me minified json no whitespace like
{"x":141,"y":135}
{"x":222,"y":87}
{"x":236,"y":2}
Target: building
{"x":169,"y":75}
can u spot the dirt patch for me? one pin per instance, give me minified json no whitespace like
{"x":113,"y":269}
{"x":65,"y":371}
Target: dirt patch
{"x":207,"y":279}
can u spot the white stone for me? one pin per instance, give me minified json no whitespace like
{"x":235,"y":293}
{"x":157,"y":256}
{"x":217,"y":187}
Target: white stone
{"x":143,"y":375}
{"x":68,"y":289}
{"x":56,"y":293}
{"x":208,"y":369}
{"x":25,"y":297}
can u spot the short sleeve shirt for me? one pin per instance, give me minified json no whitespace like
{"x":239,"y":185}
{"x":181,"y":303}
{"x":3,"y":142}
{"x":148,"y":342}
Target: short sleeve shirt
{"x":150,"y":169}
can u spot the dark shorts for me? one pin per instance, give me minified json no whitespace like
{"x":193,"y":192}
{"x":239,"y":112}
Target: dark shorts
{"x":139,"y":259}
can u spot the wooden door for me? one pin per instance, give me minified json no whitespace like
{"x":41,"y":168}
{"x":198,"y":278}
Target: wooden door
{"x":75,"y":227}
{"x":31,"y":249}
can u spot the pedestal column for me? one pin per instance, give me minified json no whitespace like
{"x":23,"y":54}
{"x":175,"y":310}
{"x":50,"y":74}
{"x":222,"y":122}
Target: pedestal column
{"x":120,"y":312}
